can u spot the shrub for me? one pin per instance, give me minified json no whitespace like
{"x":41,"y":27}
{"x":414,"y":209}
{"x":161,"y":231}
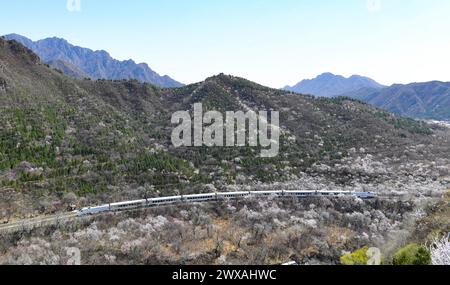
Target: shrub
{"x":412,"y":254}
{"x":358,"y":257}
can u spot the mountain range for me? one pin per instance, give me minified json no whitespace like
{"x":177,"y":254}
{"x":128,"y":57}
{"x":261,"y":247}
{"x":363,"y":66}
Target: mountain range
{"x":427,"y":100}
{"x":111,"y":140}
{"x":85,"y":63}
{"x":330,"y":85}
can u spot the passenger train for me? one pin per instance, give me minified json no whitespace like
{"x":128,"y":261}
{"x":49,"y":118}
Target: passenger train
{"x":144,"y":203}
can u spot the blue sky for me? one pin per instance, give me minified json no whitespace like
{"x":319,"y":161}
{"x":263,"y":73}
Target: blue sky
{"x":272,"y":42}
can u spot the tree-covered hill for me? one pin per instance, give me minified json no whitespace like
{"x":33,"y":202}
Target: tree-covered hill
{"x":103,"y":140}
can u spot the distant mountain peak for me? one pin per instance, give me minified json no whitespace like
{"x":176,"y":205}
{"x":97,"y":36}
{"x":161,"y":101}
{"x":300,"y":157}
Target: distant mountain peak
{"x":56,"y":39}
{"x":78,"y":61}
{"x":328,"y":75}
{"x":425,"y":100}
{"x":330,"y":85}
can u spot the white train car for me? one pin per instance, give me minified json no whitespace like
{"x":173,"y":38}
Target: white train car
{"x":93,"y":210}
{"x":366,"y":195}
{"x":232,"y":195}
{"x":300,"y":194}
{"x":164,"y":201}
{"x":335,"y":193}
{"x":200,"y":197}
{"x":130,"y":205}
{"x":268,"y":193}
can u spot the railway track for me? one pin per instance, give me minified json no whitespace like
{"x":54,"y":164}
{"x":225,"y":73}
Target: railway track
{"x":37,"y":222}
{"x":167,"y":201}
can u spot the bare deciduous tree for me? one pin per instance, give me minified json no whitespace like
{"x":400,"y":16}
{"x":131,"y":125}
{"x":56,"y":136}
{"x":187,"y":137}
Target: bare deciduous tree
{"x":440,"y":251}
